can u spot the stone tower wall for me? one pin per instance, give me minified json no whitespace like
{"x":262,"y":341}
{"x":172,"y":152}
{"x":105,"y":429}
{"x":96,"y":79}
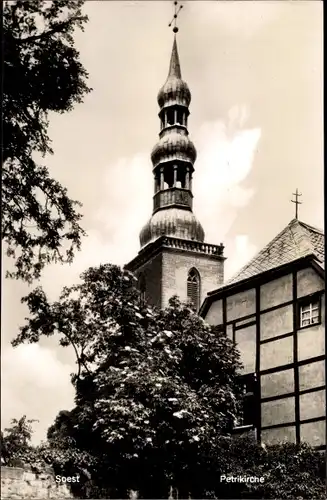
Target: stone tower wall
{"x":175,"y":267}
{"x":166,"y":273}
{"x":152,"y":270}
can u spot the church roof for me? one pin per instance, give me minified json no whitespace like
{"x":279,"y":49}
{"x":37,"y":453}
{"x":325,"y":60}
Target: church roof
{"x":296,"y":240}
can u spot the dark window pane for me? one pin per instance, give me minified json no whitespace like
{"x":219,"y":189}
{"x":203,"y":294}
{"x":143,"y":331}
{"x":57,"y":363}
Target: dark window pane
{"x":249,"y":408}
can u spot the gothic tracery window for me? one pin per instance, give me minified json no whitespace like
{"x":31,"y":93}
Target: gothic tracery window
{"x":193,"y":287}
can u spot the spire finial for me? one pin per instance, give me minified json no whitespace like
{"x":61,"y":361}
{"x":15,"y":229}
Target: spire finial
{"x":174,"y":20}
{"x":174,"y":67}
{"x":297,"y":202}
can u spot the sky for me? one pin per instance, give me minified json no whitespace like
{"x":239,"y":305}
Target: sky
{"x":255,"y":73}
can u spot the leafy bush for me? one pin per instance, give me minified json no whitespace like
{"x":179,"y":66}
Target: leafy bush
{"x":290,"y":471}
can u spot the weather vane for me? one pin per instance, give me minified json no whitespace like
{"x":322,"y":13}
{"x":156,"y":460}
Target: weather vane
{"x":297,"y":202}
{"x":174,"y":20}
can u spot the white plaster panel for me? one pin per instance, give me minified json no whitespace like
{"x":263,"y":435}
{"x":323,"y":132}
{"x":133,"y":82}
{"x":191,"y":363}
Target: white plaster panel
{"x":274,"y":384}
{"x":279,"y":411}
{"x":314,"y":433}
{"x":308,"y":281}
{"x":276,"y":322}
{"x":312,"y":375}
{"x":276,"y":292}
{"x":279,"y":435}
{"x":214,"y":315}
{"x":311,"y":342}
{"x":276,"y":353}
{"x":240,"y":304}
{"x":246,"y":343}
{"x":312,"y":405}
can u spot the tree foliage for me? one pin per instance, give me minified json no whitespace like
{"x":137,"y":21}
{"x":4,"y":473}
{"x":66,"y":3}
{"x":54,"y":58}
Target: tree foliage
{"x":153,"y":387}
{"x":42,"y":74}
{"x":16,"y":441}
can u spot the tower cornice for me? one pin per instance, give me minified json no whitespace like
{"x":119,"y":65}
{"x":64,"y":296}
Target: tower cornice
{"x":214,"y":252}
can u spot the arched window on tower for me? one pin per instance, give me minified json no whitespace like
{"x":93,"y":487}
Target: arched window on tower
{"x":142,"y":286}
{"x":193,"y":288}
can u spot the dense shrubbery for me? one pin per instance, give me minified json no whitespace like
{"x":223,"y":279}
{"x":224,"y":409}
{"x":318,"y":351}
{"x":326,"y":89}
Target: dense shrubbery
{"x":290,"y":472}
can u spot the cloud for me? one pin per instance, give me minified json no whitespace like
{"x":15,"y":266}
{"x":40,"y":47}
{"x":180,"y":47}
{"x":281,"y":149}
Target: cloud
{"x":36,"y":384}
{"x":242,"y":251}
{"x":126,"y":207}
{"x":241,"y":18}
{"x":129,"y":191}
{"x":96,"y":250}
{"x":226,"y":152}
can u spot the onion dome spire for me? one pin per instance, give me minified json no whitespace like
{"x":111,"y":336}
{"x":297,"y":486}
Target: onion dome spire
{"x":175,"y":90}
{"x":173,"y":159}
{"x":174,"y":67}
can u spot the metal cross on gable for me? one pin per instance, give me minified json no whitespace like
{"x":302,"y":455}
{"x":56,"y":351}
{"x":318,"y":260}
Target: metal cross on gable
{"x":174,"y":20}
{"x":297,"y":202}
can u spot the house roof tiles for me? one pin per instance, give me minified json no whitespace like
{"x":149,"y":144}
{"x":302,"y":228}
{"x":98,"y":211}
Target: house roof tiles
{"x":296,"y":240}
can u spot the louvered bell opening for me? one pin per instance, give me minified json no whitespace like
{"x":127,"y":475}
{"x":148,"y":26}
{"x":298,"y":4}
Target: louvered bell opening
{"x":193,"y":288}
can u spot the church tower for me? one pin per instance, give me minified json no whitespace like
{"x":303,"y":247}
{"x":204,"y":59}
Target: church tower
{"x":174,"y":260}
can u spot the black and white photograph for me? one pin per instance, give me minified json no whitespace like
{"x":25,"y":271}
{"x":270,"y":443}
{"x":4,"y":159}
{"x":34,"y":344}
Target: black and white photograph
{"x":163,"y":250}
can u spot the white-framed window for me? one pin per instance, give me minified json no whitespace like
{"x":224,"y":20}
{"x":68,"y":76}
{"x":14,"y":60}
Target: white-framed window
{"x":309,"y":313}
